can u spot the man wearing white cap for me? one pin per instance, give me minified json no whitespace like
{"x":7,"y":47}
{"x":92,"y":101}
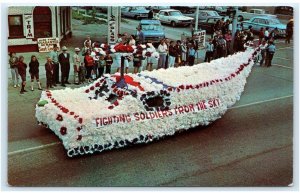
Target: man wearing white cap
{"x":64,"y":60}
{"x":76,"y":65}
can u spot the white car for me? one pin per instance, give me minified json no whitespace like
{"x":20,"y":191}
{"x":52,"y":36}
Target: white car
{"x":173,"y":17}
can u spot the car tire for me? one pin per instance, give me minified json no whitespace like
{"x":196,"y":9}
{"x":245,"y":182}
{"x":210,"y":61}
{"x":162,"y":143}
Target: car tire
{"x":173,"y":23}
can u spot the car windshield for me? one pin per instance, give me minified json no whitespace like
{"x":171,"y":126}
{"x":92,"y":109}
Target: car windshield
{"x":175,"y":13}
{"x":151,"y":27}
{"x":274,"y":21}
{"x":139,"y":8}
{"x":213,"y":13}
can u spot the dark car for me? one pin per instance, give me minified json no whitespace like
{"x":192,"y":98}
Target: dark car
{"x":208,"y":24}
{"x":284,"y":10}
{"x":184,"y":9}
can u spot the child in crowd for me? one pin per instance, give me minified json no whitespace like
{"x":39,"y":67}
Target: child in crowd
{"x":101,"y":64}
{"x":49,"y":67}
{"x":34,"y":71}
{"x":81,"y":73}
{"x":108,"y":61}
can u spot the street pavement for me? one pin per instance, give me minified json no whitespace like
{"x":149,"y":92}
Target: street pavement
{"x":251,"y":145}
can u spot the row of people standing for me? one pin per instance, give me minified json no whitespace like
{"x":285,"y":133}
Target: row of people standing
{"x":18,"y":70}
{"x":176,"y":53}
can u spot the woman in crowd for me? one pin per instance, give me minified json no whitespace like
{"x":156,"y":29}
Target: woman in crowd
{"x":89,"y":62}
{"x":178,"y":59}
{"x":101,"y":65}
{"x":150,"y":59}
{"x":228,"y":38}
{"x":13,"y":63}
{"x":289,"y":31}
{"x":34,"y":72}
{"x":22,"y":72}
{"x":132,"y":41}
{"x":183,"y":52}
{"x":261,"y":35}
{"x":172,"y":54}
{"x":162,"y":50}
{"x":137,"y":59}
{"x":263,"y":47}
{"x":49,"y":67}
{"x":108,"y":62}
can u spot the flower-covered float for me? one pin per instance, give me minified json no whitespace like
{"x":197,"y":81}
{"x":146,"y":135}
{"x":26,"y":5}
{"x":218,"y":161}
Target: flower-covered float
{"x":104,"y":115}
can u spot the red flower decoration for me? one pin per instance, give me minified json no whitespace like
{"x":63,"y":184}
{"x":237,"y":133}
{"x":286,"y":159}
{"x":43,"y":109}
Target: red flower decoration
{"x":110,"y":107}
{"x":71,"y":113}
{"x":65,"y":110}
{"x":80,"y":120}
{"x":79,"y":137}
{"x":78,"y":128}
{"x":92,"y":88}
{"x":63,"y":130}
{"x":181,"y":86}
{"x":87,"y":91}
{"x":170,"y":89}
{"x":97,"y":84}
{"x":116,"y":103}
{"x":59,"y":117}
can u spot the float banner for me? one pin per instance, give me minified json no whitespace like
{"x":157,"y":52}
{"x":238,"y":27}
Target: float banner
{"x":46,"y":44}
{"x":149,"y":115}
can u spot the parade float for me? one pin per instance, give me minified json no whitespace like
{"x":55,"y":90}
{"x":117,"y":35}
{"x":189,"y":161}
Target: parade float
{"x":120,"y":110}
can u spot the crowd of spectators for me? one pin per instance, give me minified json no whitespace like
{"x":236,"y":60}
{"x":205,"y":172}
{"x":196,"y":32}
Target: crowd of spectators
{"x":94,"y":59}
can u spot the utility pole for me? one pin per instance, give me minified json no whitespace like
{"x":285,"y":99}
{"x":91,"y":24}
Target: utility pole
{"x":234,"y":26}
{"x":197,"y":18}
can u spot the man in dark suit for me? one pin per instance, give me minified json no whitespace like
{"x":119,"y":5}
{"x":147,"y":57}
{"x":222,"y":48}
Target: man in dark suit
{"x":64,"y":60}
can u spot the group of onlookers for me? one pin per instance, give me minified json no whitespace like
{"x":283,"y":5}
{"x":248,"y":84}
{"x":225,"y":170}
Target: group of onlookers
{"x":95,"y":59}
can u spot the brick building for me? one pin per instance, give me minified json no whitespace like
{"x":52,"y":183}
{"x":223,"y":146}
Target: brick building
{"x":27,"y":24}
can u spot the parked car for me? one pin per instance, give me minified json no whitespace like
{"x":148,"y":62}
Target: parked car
{"x":173,"y":17}
{"x":208,"y":24}
{"x":260,"y":21}
{"x":252,"y":13}
{"x":134,"y":12}
{"x":204,"y":14}
{"x":184,"y":9}
{"x":152,"y":29}
{"x":156,"y":9}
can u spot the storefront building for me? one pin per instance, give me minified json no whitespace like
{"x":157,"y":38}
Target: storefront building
{"x":27,"y":25}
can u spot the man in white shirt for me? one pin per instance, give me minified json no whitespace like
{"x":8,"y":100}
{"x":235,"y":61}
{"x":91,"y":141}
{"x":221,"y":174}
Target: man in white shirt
{"x":76,"y":65}
{"x":163,"y":51}
{"x":267,"y":34}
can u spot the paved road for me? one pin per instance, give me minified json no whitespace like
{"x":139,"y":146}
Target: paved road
{"x":250,"y":146}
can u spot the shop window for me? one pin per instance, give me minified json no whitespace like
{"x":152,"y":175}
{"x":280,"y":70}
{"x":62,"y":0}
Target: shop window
{"x":42,"y":22}
{"x":15,"y":25}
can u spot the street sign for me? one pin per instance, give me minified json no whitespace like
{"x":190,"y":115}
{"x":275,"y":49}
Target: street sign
{"x":113,"y":18}
{"x":46,"y":44}
{"x":199,"y":37}
{"x":28,"y":22}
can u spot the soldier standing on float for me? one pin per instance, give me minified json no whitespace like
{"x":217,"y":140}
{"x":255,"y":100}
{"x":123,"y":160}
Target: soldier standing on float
{"x":54,"y":57}
{"x":64,"y":60}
